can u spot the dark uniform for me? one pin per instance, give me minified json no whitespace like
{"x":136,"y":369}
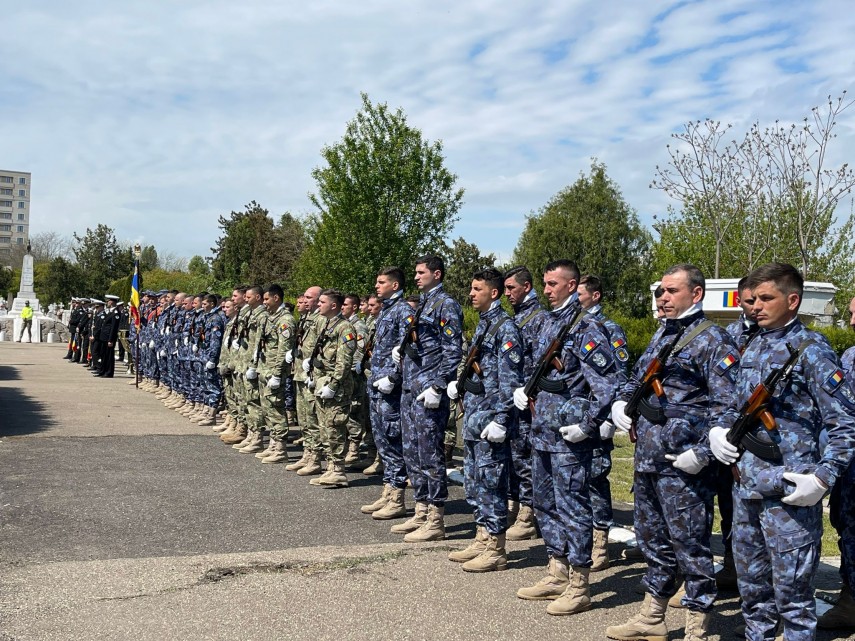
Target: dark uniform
{"x":108,"y":335}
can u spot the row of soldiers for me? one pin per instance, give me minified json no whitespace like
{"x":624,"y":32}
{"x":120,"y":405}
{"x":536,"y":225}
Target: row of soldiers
{"x":542,"y":393}
{"x":94,"y":327}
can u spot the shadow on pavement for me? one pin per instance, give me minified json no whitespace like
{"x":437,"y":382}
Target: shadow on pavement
{"x":20,"y":414}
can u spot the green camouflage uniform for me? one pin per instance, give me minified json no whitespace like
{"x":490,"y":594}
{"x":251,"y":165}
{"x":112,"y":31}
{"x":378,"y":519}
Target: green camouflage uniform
{"x":275,"y":339}
{"x":306,"y":414}
{"x":249,"y":358}
{"x":332,"y":367}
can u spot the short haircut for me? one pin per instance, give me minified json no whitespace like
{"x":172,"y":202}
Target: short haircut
{"x":275,"y":290}
{"x":414,"y":298}
{"x":521,"y":274}
{"x":658,"y":292}
{"x":255,"y":289}
{"x":742,"y":284}
{"x":565,"y":264}
{"x":354,"y":298}
{"x":240,"y":288}
{"x":393,"y":273}
{"x":433,"y":263}
{"x":211,"y":298}
{"x":173,"y":292}
{"x":694,"y":275}
{"x":786,"y":278}
{"x":335,"y":294}
{"x":592,"y":284}
{"x":492,"y":276}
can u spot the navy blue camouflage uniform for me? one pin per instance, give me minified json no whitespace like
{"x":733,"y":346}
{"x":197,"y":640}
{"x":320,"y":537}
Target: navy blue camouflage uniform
{"x":777,"y":546}
{"x":489,"y":396}
{"x":529,"y":317}
{"x":673,"y":509}
{"x":430,"y":361}
{"x":601,"y":462}
{"x":385,"y":409}
{"x":210,"y":344}
{"x":842,"y":500}
{"x":561,"y":470}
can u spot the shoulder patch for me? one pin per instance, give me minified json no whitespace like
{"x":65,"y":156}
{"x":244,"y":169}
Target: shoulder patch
{"x":621,"y":354}
{"x":506,"y":346}
{"x":285,"y":330}
{"x":834,"y":381}
{"x":725,"y":364}
{"x":350,"y":336}
{"x":588,"y":347}
{"x":618,"y":343}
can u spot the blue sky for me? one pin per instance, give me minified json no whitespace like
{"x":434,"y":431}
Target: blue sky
{"x":156,"y":117}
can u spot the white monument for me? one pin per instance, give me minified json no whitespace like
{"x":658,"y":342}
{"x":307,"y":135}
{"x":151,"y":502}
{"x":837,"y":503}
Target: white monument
{"x":26,"y":293}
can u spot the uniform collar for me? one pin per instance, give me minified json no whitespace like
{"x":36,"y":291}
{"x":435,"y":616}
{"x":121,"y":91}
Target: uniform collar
{"x":594,"y":309}
{"x":428,"y":294}
{"x":571,"y":301}
{"x":495,"y":307}
{"x":793,"y":325}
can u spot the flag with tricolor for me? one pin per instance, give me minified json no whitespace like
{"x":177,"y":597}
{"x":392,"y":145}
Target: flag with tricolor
{"x":136,"y":283}
{"x":730,"y":299}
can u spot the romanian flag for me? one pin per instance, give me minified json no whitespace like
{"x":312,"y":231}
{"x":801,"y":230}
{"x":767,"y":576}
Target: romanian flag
{"x":836,"y":379}
{"x":727,"y":361}
{"x":619,"y":342}
{"x":136,"y":283}
{"x":588,"y":347}
{"x":507,"y":346}
{"x":730,"y":299}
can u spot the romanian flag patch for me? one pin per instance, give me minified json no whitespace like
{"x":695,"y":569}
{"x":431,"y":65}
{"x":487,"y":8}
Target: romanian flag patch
{"x":618,"y":343}
{"x":443,"y":322}
{"x":835,"y":379}
{"x":409,"y":320}
{"x":726,"y":362}
{"x":350,"y":336}
{"x":507,"y":346}
{"x":588,"y":347}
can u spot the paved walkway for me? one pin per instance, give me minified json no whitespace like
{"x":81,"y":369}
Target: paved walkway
{"x":119,"y":519}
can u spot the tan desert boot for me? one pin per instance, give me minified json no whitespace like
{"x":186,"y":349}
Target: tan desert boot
{"x":525,"y":527}
{"x":600,"y":551}
{"x":414,"y":523}
{"x":649,"y":624}
{"x":552,"y":585}
{"x":492,"y":559}
{"x":576,"y":597}
{"x":433,"y":528}
{"x":478,"y":545}
{"x":381,"y":502}
{"x":395,"y":507}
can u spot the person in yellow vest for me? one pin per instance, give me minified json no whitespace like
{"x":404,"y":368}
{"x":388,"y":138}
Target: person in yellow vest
{"x":27,"y":318}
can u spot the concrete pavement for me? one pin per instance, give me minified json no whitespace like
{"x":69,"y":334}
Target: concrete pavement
{"x":119,"y":519}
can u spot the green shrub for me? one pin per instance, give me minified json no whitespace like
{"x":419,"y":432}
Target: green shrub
{"x":638,"y":331}
{"x":840,"y":338}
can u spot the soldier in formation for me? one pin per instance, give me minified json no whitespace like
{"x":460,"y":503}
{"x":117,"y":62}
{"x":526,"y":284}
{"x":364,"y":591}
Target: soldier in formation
{"x":542,"y":393}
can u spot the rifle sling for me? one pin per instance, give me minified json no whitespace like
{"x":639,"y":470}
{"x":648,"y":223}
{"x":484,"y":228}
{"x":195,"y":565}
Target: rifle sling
{"x":477,"y":387}
{"x":409,"y":349}
{"x":558,"y":386}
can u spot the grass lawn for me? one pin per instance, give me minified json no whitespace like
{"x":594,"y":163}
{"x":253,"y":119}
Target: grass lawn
{"x":621,"y":481}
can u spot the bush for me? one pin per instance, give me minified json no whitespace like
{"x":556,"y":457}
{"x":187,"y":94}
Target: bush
{"x":638,"y":331}
{"x":841,"y":339}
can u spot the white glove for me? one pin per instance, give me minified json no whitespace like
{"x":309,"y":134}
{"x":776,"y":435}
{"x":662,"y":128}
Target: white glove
{"x":686,"y":461}
{"x":326,"y":392}
{"x":186,"y":341}
{"x":384,"y":385}
{"x":235,"y":344}
{"x":451,"y":390}
{"x":162,"y":353}
{"x":430,"y":397}
{"x":289,"y":357}
{"x":607,"y":430}
{"x":520,"y":399}
{"x":809,"y":489}
{"x":274,"y":382}
{"x":195,"y":348}
{"x":396,"y":354}
{"x":619,"y":418}
{"x":494,"y":432}
{"x":251,"y":374}
{"x":307,"y":366}
{"x":176,"y":342}
{"x":724,"y":451}
{"x":310,"y":384}
{"x":151,"y":344}
{"x":572,"y":433}
{"x":210,"y":365}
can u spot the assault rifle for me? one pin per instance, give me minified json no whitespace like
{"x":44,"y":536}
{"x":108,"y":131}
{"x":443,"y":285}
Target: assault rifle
{"x":756,"y":409}
{"x":470,"y":366}
{"x":366,"y":355}
{"x":650,"y":382}
{"x":323,"y":337}
{"x":411,"y":335}
{"x":548,"y":361}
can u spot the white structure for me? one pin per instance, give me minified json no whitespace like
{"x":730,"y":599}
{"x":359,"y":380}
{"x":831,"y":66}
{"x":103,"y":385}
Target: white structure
{"x":721,"y":302}
{"x":14,"y":212}
{"x":26,"y":293}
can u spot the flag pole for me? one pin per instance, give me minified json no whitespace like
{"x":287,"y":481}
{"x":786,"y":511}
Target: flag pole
{"x":136,"y":284}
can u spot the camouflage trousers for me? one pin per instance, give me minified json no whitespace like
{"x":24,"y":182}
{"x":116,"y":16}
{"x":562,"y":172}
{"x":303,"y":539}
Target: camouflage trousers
{"x":307,"y":417}
{"x":673,"y":524}
{"x":724,"y":494}
{"x":777,"y":548}
{"x":252,"y":399}
{"x":422,"y":436}
{"x":230,"y":396}
{"x":358,"y":427}
{"x":213,"y":390}
{"x":520,"y":477}
{"x":601,"y":489}
{"x":486,"y":468}
{"x":272,"y":405}
{"x":386,"y":426}
{"x":842,"y":505}
{"x":562,"y":504}
{"x":332,"y":420}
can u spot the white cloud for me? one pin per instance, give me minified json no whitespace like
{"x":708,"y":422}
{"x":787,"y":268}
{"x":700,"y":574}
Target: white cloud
{"x":154,"y":118}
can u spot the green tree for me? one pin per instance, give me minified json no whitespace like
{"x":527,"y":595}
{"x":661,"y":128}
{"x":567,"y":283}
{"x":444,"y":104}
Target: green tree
{"x":198,"y":267}
{"x":590,"y":222}
{"x":7,"y":282}
{"x":148,"y":258}
{"x":101,"y":258}
{"x":58,"y":280}
{"x":254,"y":250}
{"x":383,"y":197}
{"x":462,"y":259}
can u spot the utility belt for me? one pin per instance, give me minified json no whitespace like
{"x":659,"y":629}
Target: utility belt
{"x":413,"y":353}
{"x":658,"y":415}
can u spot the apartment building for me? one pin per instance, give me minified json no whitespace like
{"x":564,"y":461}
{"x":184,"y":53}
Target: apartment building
{"x":14,"y":210}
